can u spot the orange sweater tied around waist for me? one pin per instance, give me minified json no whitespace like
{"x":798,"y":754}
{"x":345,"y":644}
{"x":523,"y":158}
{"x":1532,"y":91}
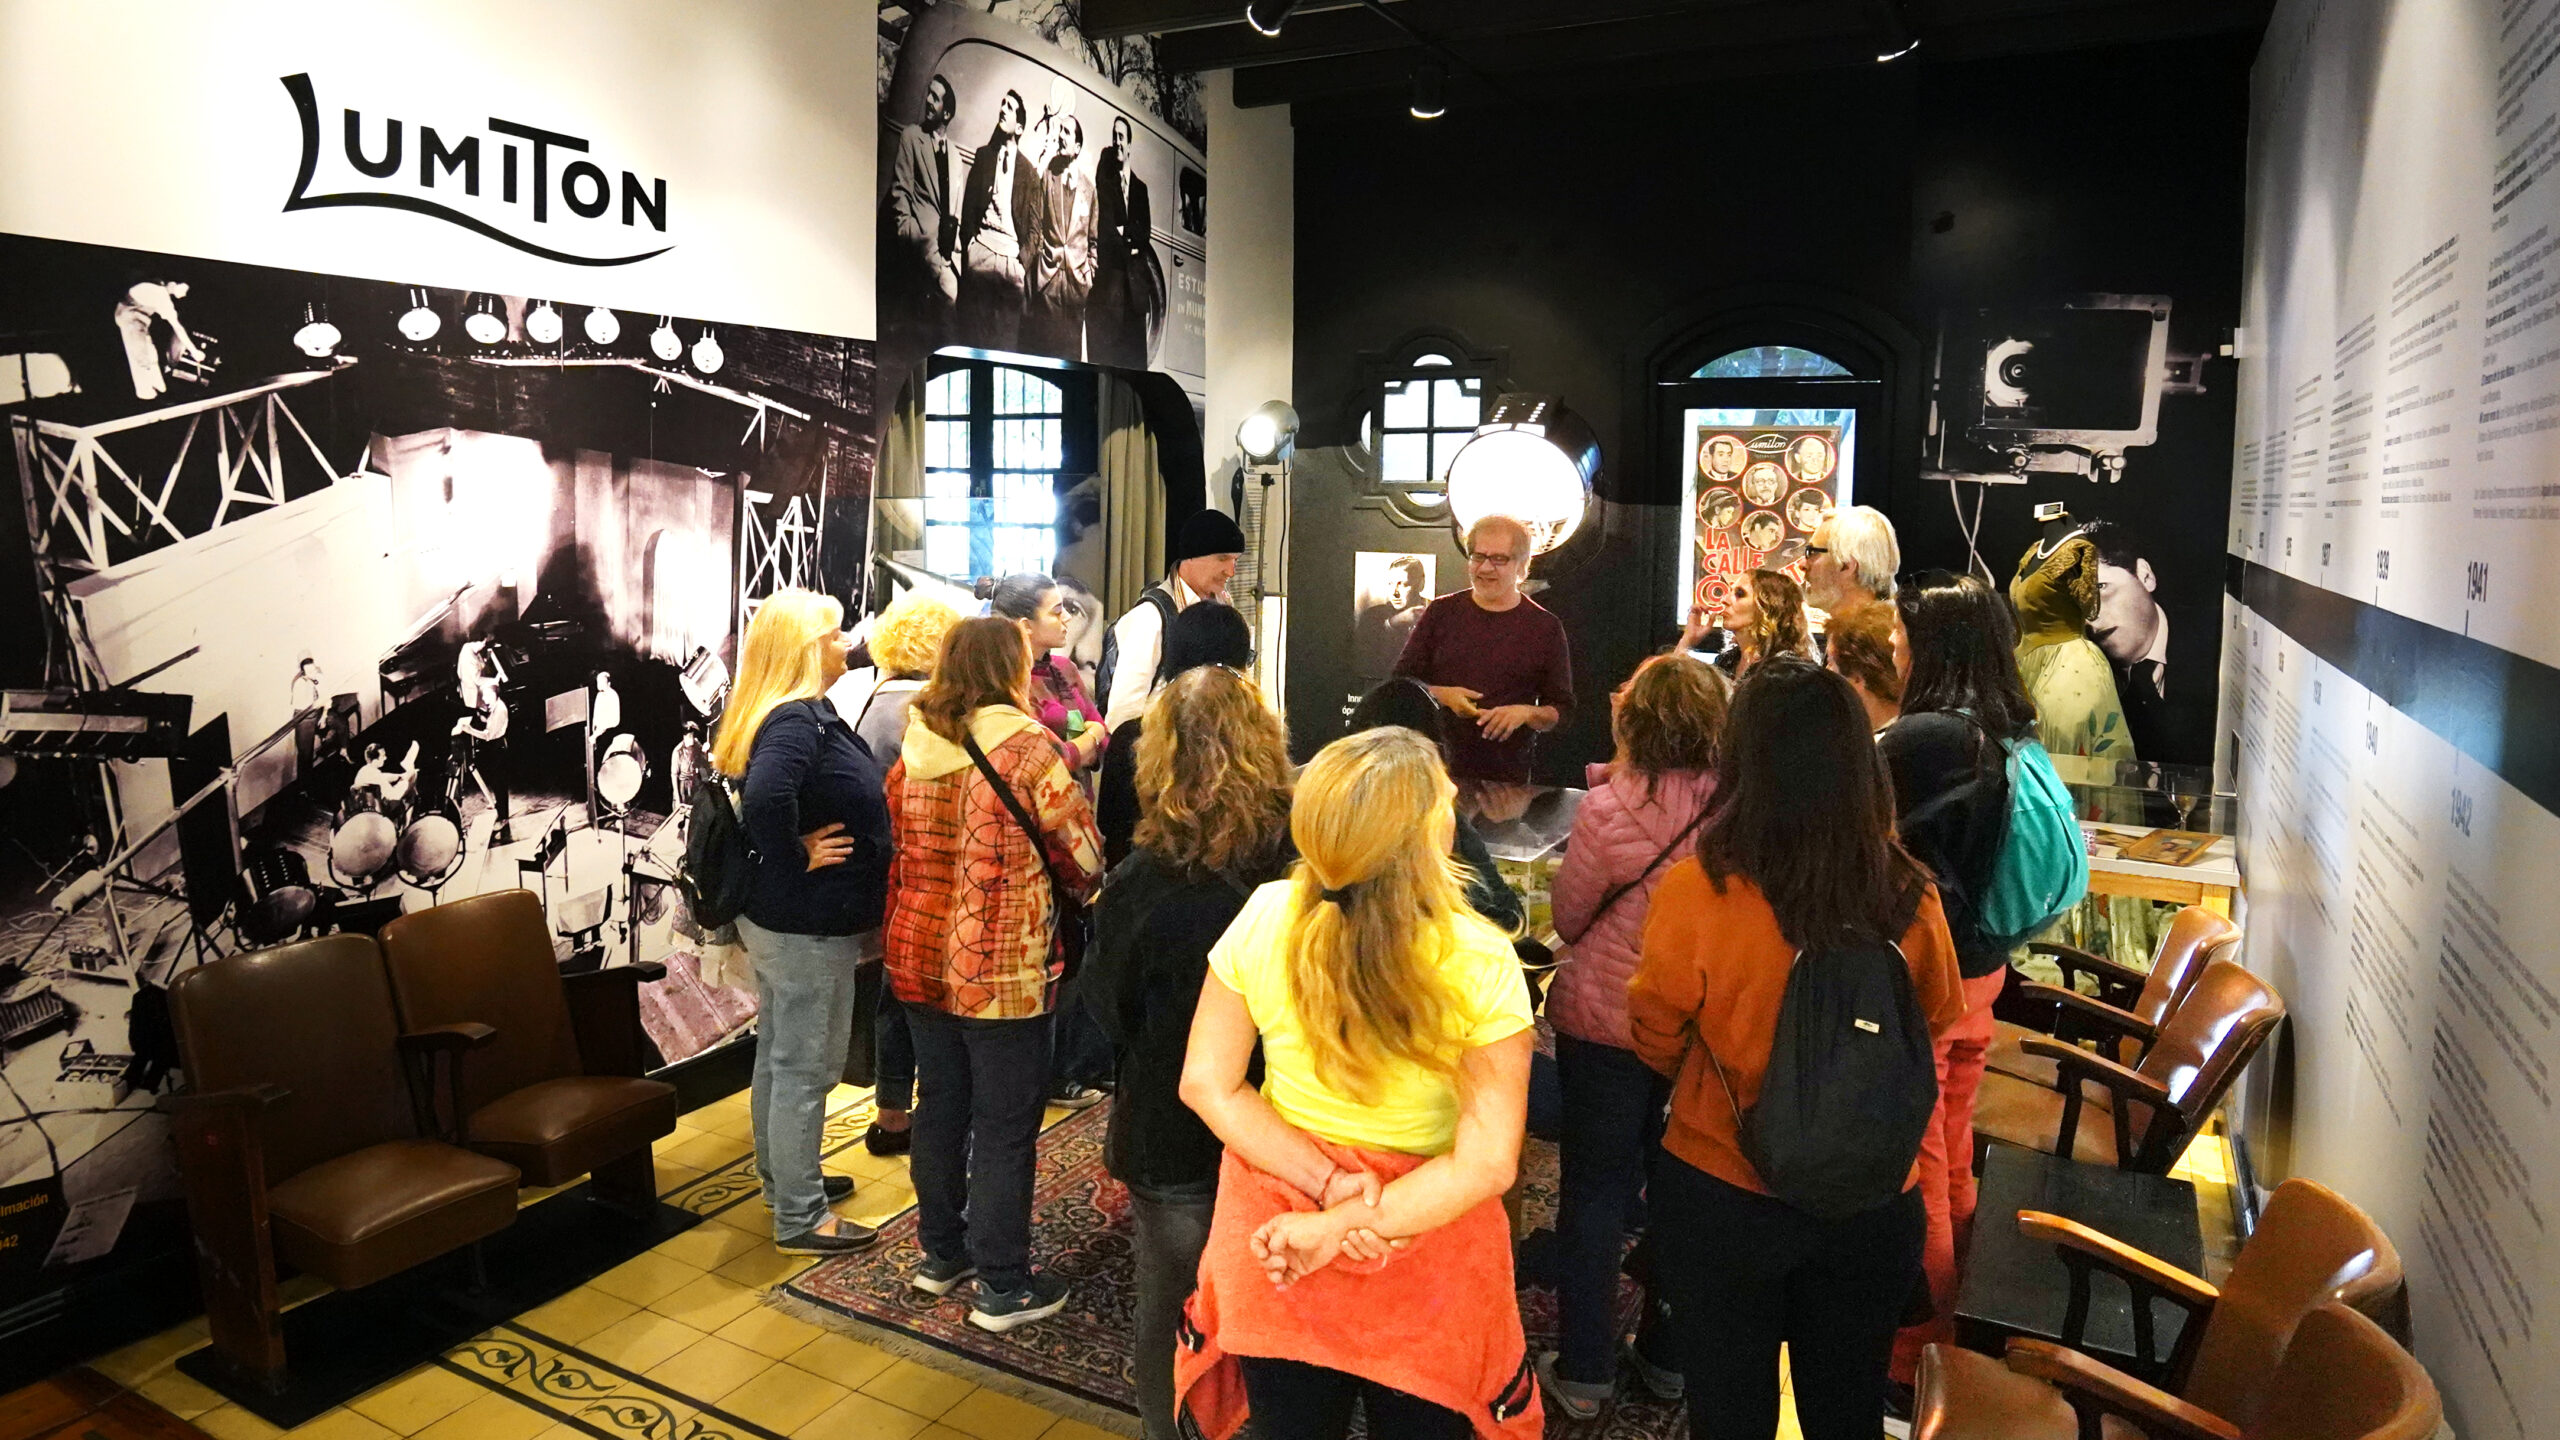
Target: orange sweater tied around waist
{"x":1439,"y":1319}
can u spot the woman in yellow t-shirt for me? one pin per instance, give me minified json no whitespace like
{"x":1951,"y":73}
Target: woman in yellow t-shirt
{"x":1359,"y":1248}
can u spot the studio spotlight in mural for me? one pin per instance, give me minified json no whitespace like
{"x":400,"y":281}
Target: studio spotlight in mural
{"x":420,"y":322}
{"x":486,"y":324}
{"x":663,"y":342}
{"x":602,"y":326}
{"x":707,"y":354}
{"x":1533,"y":460}
{"x":317,"y":338}
{"x":542,"y":323}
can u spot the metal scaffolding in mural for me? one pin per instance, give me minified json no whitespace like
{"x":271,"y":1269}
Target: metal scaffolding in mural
{"x":778,"y":544}
{"x":88,"y":510}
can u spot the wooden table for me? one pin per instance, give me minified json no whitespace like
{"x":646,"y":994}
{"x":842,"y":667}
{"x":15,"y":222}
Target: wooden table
{"x":2209,"y":882}
{"x":2016,"y":1286}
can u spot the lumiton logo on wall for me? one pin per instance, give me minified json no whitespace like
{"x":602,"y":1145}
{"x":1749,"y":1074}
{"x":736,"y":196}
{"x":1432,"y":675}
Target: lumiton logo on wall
{"x":534,"y":189}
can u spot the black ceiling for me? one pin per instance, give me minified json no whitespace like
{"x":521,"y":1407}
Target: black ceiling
{"x":1345,"y":49}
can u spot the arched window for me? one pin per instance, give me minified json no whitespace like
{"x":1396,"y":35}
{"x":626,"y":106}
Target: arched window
{"x":1754,"y":362}
{"x":1422,"y":417}
{"x":994,"y":444}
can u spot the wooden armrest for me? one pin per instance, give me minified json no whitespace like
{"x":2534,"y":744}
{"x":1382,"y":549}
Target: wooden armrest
{"x":2075,"y":962}
{"x":2113,"y":1254}
{"x":448,"y":1039}
{"x":645,"y":972}
{"x":2078,"y":1009}
{"x":252,"y":1098}
{"x":2078,"y":1065}
{"x":2095,"y":1389}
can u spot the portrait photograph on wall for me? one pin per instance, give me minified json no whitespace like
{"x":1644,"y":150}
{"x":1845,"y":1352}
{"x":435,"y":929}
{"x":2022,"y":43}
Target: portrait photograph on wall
{"x":1388,"y":592}
{"x":324,"y":600}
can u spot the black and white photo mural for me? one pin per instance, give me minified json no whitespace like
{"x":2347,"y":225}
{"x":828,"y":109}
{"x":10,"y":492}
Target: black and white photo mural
{"x":1032,"y":205}
{"x":325,"y":599}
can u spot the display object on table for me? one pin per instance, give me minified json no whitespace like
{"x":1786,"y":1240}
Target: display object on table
{"x":2170,"y":847}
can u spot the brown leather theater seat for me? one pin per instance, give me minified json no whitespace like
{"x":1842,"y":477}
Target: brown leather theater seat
{"x":298,"y":1140}
{"x":2311,"y":1247}
{"x":556,"y":1091}
{"x":2195,"y":938}
{"x":2155,"y":1108}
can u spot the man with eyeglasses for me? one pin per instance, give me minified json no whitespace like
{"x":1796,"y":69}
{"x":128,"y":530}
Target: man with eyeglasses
{"x":1495,"y":659}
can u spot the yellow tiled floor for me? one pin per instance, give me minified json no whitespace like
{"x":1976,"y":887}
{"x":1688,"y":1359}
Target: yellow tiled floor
{"x":687,"y":1318}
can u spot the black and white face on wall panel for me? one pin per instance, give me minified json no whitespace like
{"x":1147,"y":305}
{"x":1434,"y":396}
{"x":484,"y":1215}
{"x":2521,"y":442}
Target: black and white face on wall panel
{"x":340,"y":392}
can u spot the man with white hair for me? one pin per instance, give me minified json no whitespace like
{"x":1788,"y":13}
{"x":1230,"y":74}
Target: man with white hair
{"x":1495,"y":659}
{"x":1850,"y":560}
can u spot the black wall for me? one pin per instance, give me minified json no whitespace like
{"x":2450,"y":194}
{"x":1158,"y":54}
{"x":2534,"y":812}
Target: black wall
{"x":1598,"y":243}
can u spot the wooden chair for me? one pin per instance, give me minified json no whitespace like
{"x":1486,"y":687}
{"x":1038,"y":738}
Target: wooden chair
{"x":299,"y":1141}
{"x":2128,"y":1008}
{"x":2151,"y":1110}
{"x":2311,"y":1247}
{"x":556,"y":1088}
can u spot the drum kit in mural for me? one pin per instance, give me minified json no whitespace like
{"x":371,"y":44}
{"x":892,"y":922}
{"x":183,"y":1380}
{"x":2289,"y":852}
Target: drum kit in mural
{"x":1761,"y":492}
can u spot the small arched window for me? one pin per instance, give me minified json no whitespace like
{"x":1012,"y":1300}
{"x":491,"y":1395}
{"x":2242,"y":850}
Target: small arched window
{"x":1421,"y":418}
{"x":1754,"y":362}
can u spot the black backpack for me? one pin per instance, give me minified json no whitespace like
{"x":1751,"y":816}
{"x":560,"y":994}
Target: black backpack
{"x":1852,"y":1082}
{"x":1160,"y":598}
{"x":719,"y":866}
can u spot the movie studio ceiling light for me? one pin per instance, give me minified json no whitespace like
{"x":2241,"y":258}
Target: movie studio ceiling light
{"x":485,"y":323}
{"x":603,"y":327}
{"x":1430,"y":90}
{"x":1531,"y":459}
{"x":543,"y":324}
{"x":317,"y":338}
{"x":420,"y":322}
{"x":707,"y":354}
{"x":663,"y":341}
{"x":1267,"y":16}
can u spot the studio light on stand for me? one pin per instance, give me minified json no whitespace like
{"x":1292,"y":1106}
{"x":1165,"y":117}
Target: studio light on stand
{"x":1430,"y":90}
{"x":420,"y":322}
{"x":1267,"y":16}
{"x":663,"y":342}
{"x":486,"y":324}
{"x":707,"y":354}
{"x":1531,"y":459}
{"x":543,"y":324}
{"x":1267,"y":439}
{"x":317,"y":338}
{"x":603,"y":327}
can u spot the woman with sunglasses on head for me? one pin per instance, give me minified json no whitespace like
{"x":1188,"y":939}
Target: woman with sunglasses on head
{"x":1038,"y":605}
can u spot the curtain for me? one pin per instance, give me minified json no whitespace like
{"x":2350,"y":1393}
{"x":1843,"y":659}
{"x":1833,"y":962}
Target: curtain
{"x":897,"y":526}
{"x":1133,"y":507}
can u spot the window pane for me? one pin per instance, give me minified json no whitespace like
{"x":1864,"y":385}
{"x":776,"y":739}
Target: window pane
{"x":1757,"y":361}
{"x":1019,"y":392}
{"x":1045,"y":444}
{"x":946,"y":444}
{"x":946,"y":550}
{"x":948,"y":394}
{"x":1456,"y":404}
{"x":1405,"y":459}
{"x":1433,"y":358}
{"x":1407,"y":405}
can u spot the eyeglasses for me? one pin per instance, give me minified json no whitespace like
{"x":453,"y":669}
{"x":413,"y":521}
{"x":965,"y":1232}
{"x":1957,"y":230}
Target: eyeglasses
{"x":1817,"y":549}
{"x":1478,"y":557}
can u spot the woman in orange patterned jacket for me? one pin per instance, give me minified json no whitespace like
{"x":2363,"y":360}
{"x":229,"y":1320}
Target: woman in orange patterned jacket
{"x":973,"y":918}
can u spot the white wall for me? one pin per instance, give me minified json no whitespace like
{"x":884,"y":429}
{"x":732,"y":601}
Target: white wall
{"x":2391,"y":496}
{"x":1253,"y":282}
{"x":163,"y":125}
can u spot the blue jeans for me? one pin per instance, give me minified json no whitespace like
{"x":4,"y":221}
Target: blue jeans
{"x":804,"y":1020}
{"x":985,"y":1085}
{"x":1612,"y":1121}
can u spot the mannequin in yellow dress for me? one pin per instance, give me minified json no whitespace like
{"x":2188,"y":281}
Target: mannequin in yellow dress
{"x":2066,"y":674}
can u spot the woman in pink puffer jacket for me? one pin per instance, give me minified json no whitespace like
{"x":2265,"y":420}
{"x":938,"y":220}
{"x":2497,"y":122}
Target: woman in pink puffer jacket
{"x":1638,"y":822}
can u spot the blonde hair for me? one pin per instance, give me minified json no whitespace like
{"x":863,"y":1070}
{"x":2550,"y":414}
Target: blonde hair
{"x":1213,"y":772}
{"x":1370,"y":819}
{"x":778,"y":662}
{"x":909,"y":634}
{"x":983,"y":663}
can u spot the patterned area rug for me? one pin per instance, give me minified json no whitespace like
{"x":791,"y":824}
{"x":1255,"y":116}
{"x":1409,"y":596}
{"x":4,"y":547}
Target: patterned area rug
{"x":1080,"y":1230}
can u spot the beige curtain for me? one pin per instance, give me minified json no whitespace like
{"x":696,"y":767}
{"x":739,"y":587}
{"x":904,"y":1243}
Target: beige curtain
{"x":897,"y":488}
{"x":1133,"y":508}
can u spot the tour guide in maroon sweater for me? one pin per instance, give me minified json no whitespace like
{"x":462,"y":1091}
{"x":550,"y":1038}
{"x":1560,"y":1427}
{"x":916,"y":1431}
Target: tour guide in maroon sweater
{"x":1495,"y":659}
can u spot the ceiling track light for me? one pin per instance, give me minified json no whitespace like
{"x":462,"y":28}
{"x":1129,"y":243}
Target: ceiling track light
{"x":1267,"y":16}
{"x":1892,"y":53}
{"x":1893,"y":37}
{"x":1430,"y":90}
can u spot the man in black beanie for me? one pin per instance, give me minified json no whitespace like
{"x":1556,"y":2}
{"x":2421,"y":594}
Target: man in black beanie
{"x":1205,"y":552}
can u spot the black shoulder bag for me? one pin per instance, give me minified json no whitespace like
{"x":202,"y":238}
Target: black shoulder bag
{"x":1066,"y":942}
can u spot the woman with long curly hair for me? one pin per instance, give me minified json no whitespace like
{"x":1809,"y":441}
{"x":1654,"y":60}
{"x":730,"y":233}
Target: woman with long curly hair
{"x":1213,"y":788}
{"x":1395,"y":1040}
{"x":1765,"y":616}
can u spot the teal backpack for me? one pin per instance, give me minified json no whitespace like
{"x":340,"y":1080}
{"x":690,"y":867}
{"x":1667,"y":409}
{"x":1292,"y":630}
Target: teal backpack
{"x":2044,"y":864}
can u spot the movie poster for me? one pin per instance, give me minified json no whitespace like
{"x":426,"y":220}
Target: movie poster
{"x":344,"y":598}
{"x":1753,"y":495}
